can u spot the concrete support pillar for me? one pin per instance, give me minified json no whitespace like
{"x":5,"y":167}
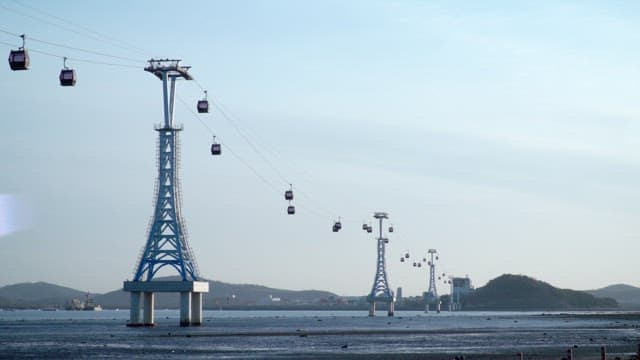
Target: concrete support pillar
{"x":185,"y":308}
{"x":147,"y":314}
{"x":372,"y":308}
{"x":196,"y":309}
{"x":134,"y":310}
{"x":391,"y":308}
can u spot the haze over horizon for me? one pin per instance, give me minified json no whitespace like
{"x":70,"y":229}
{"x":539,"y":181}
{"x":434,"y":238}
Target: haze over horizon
{"x":504,"y":135}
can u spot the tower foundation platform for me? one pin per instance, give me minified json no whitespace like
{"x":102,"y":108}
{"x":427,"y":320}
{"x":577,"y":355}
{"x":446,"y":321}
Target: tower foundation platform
{"x":142,"y":300}
{"x":390,"y":304}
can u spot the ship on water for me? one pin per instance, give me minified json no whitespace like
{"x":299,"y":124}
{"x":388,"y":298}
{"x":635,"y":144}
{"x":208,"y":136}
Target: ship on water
{"x":86,"y":305}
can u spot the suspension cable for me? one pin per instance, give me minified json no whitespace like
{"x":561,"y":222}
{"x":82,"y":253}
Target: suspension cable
{"x":74,"y":58}
{"x":77,"y":49}
{"x":107,"y":38}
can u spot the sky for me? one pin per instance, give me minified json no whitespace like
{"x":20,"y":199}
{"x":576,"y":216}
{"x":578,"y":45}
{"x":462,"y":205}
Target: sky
{"x":506,"y":135}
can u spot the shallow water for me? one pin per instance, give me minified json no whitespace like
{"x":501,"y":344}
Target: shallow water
{"x":317,"y":334}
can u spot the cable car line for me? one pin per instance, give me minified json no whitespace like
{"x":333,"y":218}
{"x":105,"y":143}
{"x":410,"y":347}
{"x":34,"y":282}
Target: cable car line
{"x":265,"y":159}
{"x":114,"y":41}
{"x":245,"y":135}
{"x":73,"y":58}
{"x":53,"y":24}
{"x":238,"y":157}
{"x":255,"y":148}
{"x":244,"y":162}
{"x":246,"y":138}
{"x":252,"y":134}
{"x":68,"y":78}
{"x":78,"y":49}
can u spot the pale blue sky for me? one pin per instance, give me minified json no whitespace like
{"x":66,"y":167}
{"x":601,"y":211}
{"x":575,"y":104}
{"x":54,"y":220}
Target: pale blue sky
{"x":504,"y":134}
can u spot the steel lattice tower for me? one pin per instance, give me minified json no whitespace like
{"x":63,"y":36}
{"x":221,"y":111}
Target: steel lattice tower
{"x":167,"y":241}
{"x":167,"y":237}
{"x":381,"y":291}
{"x":431,"y":295}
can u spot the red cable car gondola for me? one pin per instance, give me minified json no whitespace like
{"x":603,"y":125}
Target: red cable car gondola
{"x":203,"y":105}
{"x":216,"y":148}
{"x":19,"y":59}
{"x":67,"y":76}
{"x":288,"y":195}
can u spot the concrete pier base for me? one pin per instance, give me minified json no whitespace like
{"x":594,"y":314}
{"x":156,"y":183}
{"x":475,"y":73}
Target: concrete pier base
{"x":147,"y":312}
{"x":196,"y":309}
{"x":134,"y":311}
{"x":185,"y":308}
{"x":372,"y":308}
{"x":142,"y":300}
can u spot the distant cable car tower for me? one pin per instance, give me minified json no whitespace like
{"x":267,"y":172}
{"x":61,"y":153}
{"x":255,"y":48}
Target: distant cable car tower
{"x":431,"y":296}
{"x":167,"y":239}
{"x":381,"y":291}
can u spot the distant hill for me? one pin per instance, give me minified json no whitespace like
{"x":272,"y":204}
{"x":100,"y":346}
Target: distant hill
{"x":518,"y":292}
{"x":221,"y":293}
{"x":625,"y":295}
{"x":37,"y":294}
{"x":41,"y":294}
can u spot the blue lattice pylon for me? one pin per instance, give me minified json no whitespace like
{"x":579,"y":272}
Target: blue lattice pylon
{"x":381,"y":291}
{"x":167,"y":239}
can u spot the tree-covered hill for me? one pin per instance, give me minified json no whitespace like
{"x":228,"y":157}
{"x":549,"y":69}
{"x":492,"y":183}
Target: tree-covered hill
{"x":518,"y":292}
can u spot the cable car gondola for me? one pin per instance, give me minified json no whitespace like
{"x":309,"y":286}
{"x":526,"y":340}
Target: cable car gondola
{"x":369,"y":229}
{"x":364,"y":227}
{"x":288,"y":195}
{"x":216,"y":149}
{"x":203,"y":105}
{"x":402,"y":259}
{"x":67,"y":76}
{"x":419,"y":264}
{"x":19,"y":59}
{"x":337,"y":225}
{"x":406,"y":255}
{"x":391,"y":228}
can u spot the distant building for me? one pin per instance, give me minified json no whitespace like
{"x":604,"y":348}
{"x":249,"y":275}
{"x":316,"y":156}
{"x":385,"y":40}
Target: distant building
{"x":399,"y":293}
{"x":460,"y":286}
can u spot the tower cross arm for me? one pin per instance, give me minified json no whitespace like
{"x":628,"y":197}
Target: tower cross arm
{"x":171,"y":67}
